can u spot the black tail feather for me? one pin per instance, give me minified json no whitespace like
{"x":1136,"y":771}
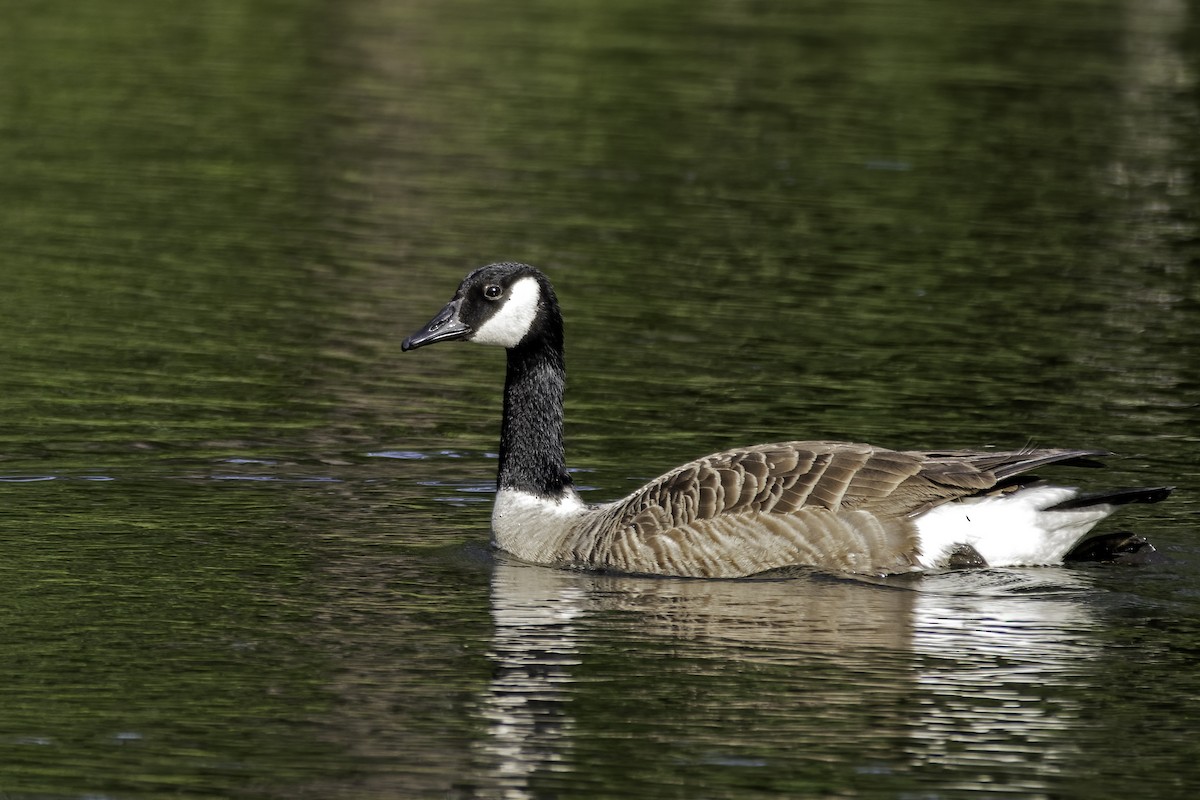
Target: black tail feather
{"x":1117,"y":497}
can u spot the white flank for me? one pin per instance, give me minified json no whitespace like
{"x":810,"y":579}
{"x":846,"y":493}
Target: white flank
{"x":534,"y":528}
{"x":508,"y":326}
{"x":1008,"y":529}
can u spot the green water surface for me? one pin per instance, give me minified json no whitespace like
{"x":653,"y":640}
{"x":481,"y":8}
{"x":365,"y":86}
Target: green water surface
{"x":245,"y":538}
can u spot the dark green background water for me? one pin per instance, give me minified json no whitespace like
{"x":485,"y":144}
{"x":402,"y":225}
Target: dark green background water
{"x":244,"y":538}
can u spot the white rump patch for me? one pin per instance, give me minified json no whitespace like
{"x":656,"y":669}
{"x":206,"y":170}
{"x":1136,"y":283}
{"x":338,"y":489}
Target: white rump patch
{"x":1007,"y":529}
{"x":512,"y":321}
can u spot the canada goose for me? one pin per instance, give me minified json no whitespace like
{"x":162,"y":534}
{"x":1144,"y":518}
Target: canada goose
{"x":831,"y":505}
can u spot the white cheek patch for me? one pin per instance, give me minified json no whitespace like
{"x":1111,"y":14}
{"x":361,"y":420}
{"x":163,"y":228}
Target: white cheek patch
{"x":508,"y":326}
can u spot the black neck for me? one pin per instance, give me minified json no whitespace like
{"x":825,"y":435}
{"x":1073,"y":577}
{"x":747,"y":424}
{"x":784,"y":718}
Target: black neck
{"x":531,"y":436}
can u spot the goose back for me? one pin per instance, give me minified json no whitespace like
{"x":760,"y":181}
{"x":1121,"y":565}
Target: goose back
{"x":832,"y":505}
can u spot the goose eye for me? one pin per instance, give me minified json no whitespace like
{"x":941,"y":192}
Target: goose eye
{"x":492,"y":291}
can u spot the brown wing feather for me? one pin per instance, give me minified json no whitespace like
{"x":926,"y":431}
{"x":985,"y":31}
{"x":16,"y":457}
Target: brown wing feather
{"x":757,"y":508}
{"x":773,"y":478}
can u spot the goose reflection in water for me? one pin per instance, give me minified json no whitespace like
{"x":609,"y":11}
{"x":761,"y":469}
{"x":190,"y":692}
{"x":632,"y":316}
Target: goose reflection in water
{"x":650,"y":674}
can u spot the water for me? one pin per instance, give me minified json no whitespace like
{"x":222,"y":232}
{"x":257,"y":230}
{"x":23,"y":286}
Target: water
{"x":245,"y":537}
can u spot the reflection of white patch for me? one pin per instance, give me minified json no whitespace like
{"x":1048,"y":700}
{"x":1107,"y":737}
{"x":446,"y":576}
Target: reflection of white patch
{"x":508,"y":326}
{"x":1007,"y":529}
{"x":993,"y":652}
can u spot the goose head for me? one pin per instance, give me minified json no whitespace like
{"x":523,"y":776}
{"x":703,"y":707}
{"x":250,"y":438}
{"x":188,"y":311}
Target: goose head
{"x":503,"y":304}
